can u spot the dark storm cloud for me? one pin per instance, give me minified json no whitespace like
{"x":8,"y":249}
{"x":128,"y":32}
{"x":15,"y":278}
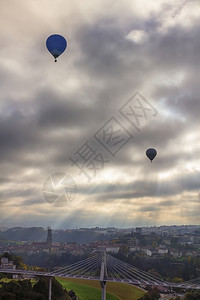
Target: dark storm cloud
{"x":40,"y":126}
{"x":107,"y":54}
{"x":177,"y":49}
{"x":14,"y":134}
{"x":116,"y":63}
{"x":56,"y":111}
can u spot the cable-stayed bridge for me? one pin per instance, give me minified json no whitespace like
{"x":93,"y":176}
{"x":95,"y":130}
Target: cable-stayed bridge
{"x":104,"y":267}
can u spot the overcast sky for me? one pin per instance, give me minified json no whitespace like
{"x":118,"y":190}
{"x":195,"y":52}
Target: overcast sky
{"x":77,"y":130}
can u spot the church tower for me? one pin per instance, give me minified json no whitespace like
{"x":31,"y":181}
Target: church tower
{"x":49,"y":238}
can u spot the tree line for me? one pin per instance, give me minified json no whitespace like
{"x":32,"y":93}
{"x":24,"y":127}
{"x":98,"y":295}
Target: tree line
{"x":23,"y":290}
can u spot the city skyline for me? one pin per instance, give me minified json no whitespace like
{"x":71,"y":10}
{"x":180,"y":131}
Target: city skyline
{"x":138,"y":53}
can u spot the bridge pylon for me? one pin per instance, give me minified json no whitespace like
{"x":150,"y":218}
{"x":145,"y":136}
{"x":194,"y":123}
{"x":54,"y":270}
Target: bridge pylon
{"x":50,"y":287}
{"x":103,"y":276}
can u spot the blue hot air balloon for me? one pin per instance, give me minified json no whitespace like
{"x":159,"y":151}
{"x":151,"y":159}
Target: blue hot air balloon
{"x":56,"y":44}
{"x":151,"y":153}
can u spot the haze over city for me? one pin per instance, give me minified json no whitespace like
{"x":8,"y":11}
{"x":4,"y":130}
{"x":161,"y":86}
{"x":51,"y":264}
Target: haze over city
{"x":116,"y":50}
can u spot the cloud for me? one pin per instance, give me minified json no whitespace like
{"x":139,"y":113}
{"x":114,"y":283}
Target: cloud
{"x":137,"y":36}
{"x":48,"y":111}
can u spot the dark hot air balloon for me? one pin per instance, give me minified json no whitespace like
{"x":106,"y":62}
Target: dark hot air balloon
{"x":151,"y":153}
{"x":56,"y":44}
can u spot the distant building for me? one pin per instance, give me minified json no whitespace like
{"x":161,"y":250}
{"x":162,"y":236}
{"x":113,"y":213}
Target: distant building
{"x":6,"y":264}
{"x":147,"y":251}
{"x":4,"y":260}
{"x":162,"y":251}
{"x":175,"y":253}
{"x":112,"y":249}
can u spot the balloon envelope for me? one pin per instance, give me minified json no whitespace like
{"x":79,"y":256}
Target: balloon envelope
{"x":151,"y":153}
{"x":56,"y":44}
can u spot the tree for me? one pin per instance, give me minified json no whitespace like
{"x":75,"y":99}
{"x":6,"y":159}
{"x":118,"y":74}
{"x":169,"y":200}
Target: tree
{"x":177,"y":279}
{"x":17,"y":260}
{"x":18,"y":290}
{"x":193,"y":295}
{"x":42,"y":286}
{"x":153,"y":294}
{"x":23,"y":290}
